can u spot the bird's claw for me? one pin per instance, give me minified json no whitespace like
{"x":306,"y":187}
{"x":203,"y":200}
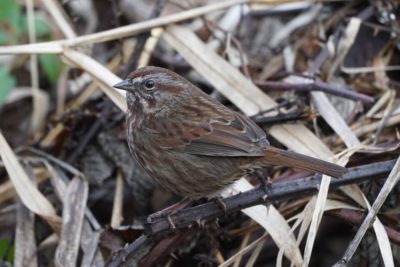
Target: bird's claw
{"x":161,"y":215}
{"x":220,"y":202}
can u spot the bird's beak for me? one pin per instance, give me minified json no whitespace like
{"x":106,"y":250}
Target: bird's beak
{"x":124,"y":85}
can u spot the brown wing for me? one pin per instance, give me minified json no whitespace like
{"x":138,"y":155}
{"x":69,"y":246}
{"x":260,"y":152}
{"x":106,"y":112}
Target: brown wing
{"x":230,"y":135}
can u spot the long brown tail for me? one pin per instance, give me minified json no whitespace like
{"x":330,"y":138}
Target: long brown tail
{"x":275,"y":156}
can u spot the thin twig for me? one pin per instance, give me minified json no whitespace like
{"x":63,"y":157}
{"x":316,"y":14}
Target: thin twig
{"x":314,"y":86}
{"x":355,"y":218}
{"x":141,"y":40}
{"x":281,"y":118}
{"x":145,"y":250}
{"x":91,"y":133}
{"x":123,"y":255}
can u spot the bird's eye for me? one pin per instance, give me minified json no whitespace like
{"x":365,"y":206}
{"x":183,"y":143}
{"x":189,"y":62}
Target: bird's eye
{"x":149,"y":84}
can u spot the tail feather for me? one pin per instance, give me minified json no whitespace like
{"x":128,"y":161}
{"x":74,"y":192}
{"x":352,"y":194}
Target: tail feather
{"x":275,"y":156}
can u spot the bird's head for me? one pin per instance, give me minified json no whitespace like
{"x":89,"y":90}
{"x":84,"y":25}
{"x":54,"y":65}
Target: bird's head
{"x":153,"y":89}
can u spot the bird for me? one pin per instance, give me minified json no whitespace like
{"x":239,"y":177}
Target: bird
{"x":193,"y":145}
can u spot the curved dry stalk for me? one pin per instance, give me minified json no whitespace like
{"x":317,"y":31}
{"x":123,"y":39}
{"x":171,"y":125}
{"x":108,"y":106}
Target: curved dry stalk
{"x":117,"y":33}
{"x":391,"y":181}
{"x":59,"y":16}
{"x":27,"y":191}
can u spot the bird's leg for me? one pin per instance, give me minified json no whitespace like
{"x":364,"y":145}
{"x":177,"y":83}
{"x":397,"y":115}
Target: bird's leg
{"x":266,"y":184}
{"x":280,"y":106}
{"x":220,"y":202}
{"x":170,"y":222}
{"x":167,"y":212}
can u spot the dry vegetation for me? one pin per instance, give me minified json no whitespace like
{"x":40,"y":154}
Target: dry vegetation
{"x":320,"y":77}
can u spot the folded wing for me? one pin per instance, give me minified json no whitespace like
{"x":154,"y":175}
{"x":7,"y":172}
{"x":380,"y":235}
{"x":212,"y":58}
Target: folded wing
{"x":229,"y":136}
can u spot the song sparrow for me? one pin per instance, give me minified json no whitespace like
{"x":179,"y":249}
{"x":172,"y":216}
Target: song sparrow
{"x":192,"y":144}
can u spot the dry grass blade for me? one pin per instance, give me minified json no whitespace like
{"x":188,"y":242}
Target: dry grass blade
{"x":73,"y":215}
{"x":92,"y":256}
{"x":90,"y":233}
{"x":149,"y":47}
{"x":299,"y":21}
{"x":106,"y":78}
{"x":354,"y":192}
{"x":332,"y":117}
{"x":120,"y":32}
{"x":364,"y":129}
{"x":254,"y":255}
{"x":62,"y":91}
{"x":53,"y":47}
{"x":305,"y":216}
{"x":384,"y":244}
{"x":117,"y":217}
{"x":389,"y":94}
{"x":316,"y":218}
{"x":346,"y":42}
{"x":304,"y":219}
{"x":25,"y":243}
{"x":319,"y":207}
{"x":29,"y":194}
{"x":243,"y":244}
{"x":7,"y":189}
{"x":150,"y":24}
{"x":41,"y":106}
{"x":369,"y":69}
{"x":40,"y":98}
{"x":391,"y":181}
{"x":273,"y":222}
{"x":59,"y":16}
{"x":243,"y":251}
{"x":330,"y":114}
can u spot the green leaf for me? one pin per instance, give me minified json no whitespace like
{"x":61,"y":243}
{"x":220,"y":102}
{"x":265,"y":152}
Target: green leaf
{"x":7,"y":82}
{"x":41,"y":28}
{"x":4,"y":248}
{"x":13,"y":23}
{"x":10,"y":13}
{"x":51,"y":65}
{"x":10,"y":16}
{"x":3,"y":37}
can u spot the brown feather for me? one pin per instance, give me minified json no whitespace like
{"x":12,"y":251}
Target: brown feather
{"x":275,"y":156}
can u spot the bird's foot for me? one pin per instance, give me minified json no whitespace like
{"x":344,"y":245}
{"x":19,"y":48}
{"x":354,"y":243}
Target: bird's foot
{"x":167,"y":212}
{"x":220,"y":202}
{"x":162,"y":215}
{"x":266,"y":186}
{"x":264,"y":183}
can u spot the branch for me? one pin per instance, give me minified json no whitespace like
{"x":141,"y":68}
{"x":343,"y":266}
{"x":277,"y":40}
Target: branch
{"x":277,"y":192}
{"x":282,"y":118}
{"x":314,"y":86}
{"x":190,"y":217}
